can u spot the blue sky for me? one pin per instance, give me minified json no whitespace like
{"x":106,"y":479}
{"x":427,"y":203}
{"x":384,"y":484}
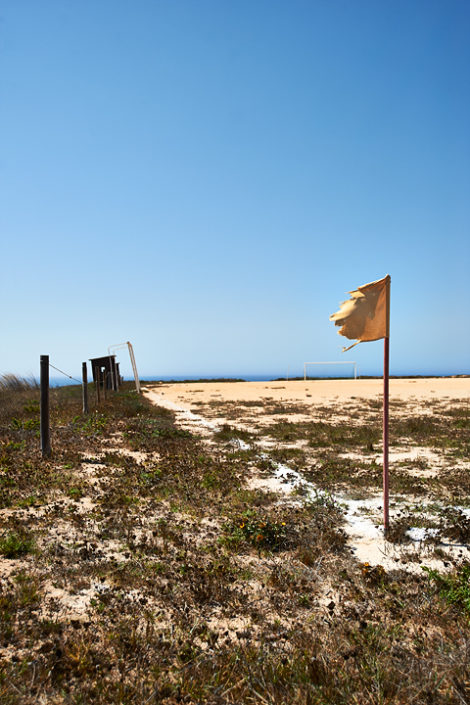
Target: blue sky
{"x":209,"y":178}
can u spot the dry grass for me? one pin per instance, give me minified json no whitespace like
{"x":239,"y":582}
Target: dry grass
{"x":133,"y":572}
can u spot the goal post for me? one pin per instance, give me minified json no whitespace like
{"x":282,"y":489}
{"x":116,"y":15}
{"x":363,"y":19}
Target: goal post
{"x":130,"y":349}
{"x":342,"y":362}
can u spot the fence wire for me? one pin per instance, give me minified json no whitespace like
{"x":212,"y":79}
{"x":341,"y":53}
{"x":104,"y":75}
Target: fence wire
{"x":65,"y":373}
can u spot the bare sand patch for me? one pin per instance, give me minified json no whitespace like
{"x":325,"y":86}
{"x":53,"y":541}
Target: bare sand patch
{"x":312,"y":392}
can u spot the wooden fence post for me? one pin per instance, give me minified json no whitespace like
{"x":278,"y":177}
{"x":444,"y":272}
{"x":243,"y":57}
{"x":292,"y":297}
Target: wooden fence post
{"x":85,"y":388}
{"x":44,"y":407}
{"x":97,"y":383}
{"x":115,"y":377}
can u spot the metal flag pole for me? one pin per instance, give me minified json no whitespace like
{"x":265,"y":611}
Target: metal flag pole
{"x":386,"y":410}
{"x":365,"y":317}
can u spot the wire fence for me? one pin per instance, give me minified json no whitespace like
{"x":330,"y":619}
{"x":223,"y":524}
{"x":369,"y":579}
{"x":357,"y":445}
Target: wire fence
{"x":106,"y":379}
{"x":65,"y":373}
{"x":102,"y":380}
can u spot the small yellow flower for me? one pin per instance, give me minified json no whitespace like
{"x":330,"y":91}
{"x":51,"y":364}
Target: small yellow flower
{"x":242,"y":525}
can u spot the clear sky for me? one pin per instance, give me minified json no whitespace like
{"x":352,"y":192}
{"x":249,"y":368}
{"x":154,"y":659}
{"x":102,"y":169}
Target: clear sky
{"x":209,"y":178}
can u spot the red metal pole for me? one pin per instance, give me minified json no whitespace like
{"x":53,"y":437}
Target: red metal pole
{"x":385,"y":430}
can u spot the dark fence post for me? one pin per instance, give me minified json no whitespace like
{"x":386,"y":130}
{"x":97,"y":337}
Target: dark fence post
{"x":85,"y":388}
{"x":97,"y":383}
{"x":105,"y":383}
{"x":114,"y":375}
{"x":44,"y":407}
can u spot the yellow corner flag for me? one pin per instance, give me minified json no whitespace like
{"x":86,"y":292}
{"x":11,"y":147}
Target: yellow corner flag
{"x":366,"y":315}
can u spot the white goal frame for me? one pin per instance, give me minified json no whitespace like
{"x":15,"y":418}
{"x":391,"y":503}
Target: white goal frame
{"x":329,"y":362}
{"x":117,"y":346}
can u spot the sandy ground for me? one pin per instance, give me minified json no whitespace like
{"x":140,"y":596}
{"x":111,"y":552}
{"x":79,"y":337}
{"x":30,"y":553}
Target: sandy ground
{"x":363,"y":518}
{"x":317,"y":391}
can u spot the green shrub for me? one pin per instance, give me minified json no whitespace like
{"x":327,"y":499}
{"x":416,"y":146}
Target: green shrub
{"x":259,"y":531}
{"x":453,"y":587}
{"x":13,"y":545}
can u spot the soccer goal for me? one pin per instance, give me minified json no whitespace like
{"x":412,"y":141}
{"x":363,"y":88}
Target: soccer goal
{"x":327,"y":366}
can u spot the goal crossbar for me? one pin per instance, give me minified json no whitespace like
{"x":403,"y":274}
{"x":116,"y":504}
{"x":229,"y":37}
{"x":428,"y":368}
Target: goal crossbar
{"x":331,"y":362}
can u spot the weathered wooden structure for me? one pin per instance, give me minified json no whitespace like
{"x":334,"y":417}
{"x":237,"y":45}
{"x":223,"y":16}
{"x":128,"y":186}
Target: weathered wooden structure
{"x":106,"y":372}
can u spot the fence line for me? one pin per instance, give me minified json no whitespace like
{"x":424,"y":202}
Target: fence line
{"x":44,"y":390}
{"x":64,"y":373}
{"x":44,"y":402}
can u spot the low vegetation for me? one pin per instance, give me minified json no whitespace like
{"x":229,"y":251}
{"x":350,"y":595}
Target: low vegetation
{"x":138,"y":566}
{"x":339,"y":449}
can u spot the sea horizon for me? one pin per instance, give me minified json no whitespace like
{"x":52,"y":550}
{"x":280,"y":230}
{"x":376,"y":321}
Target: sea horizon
{"x":59,"y":381}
